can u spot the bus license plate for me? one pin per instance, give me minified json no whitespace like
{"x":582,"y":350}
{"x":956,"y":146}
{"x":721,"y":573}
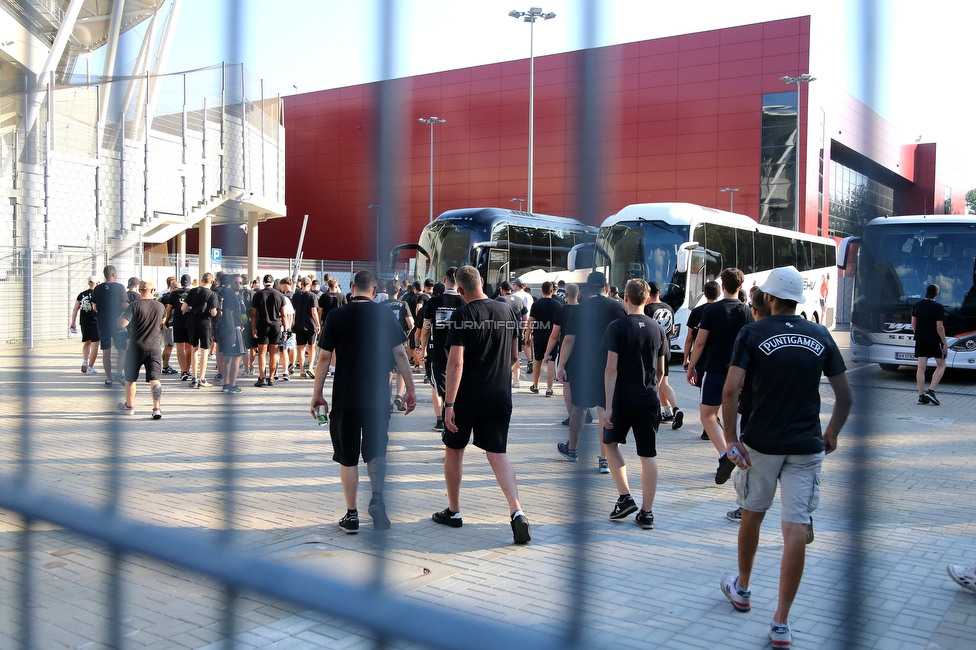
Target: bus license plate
{"x":904,"y":356}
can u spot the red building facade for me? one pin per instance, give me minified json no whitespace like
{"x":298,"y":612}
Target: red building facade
{"x":684,"y":118}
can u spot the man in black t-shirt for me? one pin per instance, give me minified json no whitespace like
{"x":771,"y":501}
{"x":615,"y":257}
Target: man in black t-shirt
{"x":928,"y":323}
{"x":720,"y":324}
{"x":371,"y":343}
{"x":542,"y":315}
{"x":234,"y":321}
{"x":144,"y":320}
{"x":663,"y":314}
{"x":413,"y":341}
{"x":200,"y":308}
{"x":784,"y":355}
{"x":436,"y":319}
{"x":168,"y":341}
{"x":267,"y":319}
{"x":554,"y":347}
{"x":636,"y":354}
{"x":89,"y":327}
{"x":522,"y":314}
{"x":181,"y":338}
{"x":109,"y":299}
{"x":482,"y":338}
{"x":420,"y":307}
{"x":583,"y":360}
{"x":306,"y":326}
{"x":403,"y":318}
{"x":328,"y":301}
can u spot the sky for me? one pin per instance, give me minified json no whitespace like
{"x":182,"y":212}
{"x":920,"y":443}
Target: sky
{"x":922,"y":49}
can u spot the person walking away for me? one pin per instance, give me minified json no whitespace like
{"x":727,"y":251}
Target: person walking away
{"x":168,"y":341}
{"x":433,"y":340}
{"x":711,"y":291}
{"x":181,"y":337}
{"x":720,"y":324}
{"x":583,"y":361}
{"x":328,"y":301}
{"x":663,"y":313}
{"x":785,"y":355}
{"x":371,"y":343}
{"x":89,"y":327}
{"x":542,"y":315}
{"x":482,"y":339}
{"x":522,"y":315}
{"x":144,"y":320}
{"x":306,"y":327}
{"x":200,"y":307}
{"x":109,"y":300}
{"x":636,"y":356}
{"x":928,"y":323}
{"x":234,"y":321}
{"x":267,"y":317}
{"x":554,"y":348}
{"x":403,"y":318}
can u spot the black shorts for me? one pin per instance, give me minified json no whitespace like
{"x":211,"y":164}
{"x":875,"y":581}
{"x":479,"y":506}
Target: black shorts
{"x":304,"y":337}
{"x":269,"y":334}
{"x":587,"y":394}
{"x":200,"y":336}
{"x":118,"y":338}
{"x":438,"y":378}
{"x":667,"y":365}
{"x":180,"y":334}
{"x":136,"y":358}
{"x":712,"y":386}
{"x":539,"y":345}
{"x":929,"y":350}
{"x":89,"y":333}
{"x":488,"y":422}
{"x":644,"y":420}
{"x":356,"y":432}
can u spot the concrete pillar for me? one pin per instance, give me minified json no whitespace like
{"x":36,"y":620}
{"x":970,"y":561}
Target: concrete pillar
{"x":181,"y":250}
{"x":252,"y":245}
{"x":205,"y":244}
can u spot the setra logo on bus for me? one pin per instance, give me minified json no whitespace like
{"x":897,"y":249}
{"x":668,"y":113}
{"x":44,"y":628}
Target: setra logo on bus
{"x":897,"y":327}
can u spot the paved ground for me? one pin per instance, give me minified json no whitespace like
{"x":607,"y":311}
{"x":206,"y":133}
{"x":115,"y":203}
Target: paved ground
{"x":643,"y":588}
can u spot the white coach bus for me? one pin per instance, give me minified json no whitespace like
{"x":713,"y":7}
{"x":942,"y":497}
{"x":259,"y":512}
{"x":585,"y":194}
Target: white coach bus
{"x":682,"y":246}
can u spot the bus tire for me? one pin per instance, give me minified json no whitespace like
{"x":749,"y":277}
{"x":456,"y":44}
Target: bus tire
{"x":816,"y":319}
{"x":803,"y":315}
{"x":889,"y":367}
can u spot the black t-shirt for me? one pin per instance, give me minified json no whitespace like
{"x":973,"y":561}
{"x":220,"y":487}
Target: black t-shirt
{"x":268,"y":303}
{"x":562,"y":319}
{"x":722,"y":319}
{"x":329,"y":301}
{"x":363,"y":335}
{"x":175,"y":299}
{"x":694,"y":319}
{"x":438,"y":311}
{"x":663,"y":314}
{"x":927,"y":313}
{"x":86,"y":312}
{"x":400,"y":313}
{"x":109,"y":299}
{"x":411,"y":299}
{"x":785,"y":356}
{"x":516,"y":304}
{"x":132,"y":296}
{"x":543,"y":313}
{"x":420,"y":303}
{"x":234,"y":312}
{"x":201,"y":300}
{"x":487,"y":330}
{"x":304,"y":302}
{"x":639,"y":343}
{"x":145,"y":318}
{"x":589,"y":325}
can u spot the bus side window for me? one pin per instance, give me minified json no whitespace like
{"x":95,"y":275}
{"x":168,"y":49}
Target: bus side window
{"x":831,"y":255}
{"x":819,"y":255}
{"x":764,"y":252}
{"x":804,"y":255}
{"x":721,"y":239}
{"x":744,"y":251}
{"x":783,"y":253}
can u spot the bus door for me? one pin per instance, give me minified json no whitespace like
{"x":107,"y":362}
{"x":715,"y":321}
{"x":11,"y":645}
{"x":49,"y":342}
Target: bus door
{"x":704,"y":265}
{"x":420,"y":261}
{"x":498,"y":269}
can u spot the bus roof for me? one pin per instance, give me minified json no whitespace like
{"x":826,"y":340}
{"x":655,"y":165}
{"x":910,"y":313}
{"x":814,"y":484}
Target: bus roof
{"x":686,"y":214}
{"x":958,"y":219}
{"x":488,"y":216}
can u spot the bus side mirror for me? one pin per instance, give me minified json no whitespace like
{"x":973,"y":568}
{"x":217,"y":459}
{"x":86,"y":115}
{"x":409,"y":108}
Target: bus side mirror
{"x":684,"y":254}
{"x":581,"y":256}
{"x":844,"y":249}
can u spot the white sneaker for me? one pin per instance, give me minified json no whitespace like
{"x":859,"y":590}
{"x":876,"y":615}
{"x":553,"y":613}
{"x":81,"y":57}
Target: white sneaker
{"x":92,"y":371}
{"x":964,"y":576}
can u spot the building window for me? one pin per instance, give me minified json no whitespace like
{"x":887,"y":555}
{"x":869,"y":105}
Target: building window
{"x":777,"y":195}
{"x":855,"y":199}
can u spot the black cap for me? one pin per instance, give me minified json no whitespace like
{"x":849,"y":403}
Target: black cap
{"x":596,"y":280}
{"x":655,"y":288}
{"x":429,"y":283}
{"x":505,"y":285}
{"x":185,"y":280}
{"x":268,"y":280}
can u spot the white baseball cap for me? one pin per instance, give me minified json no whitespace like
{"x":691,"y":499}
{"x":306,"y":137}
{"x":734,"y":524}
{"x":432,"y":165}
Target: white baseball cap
{"x":785,"y":283}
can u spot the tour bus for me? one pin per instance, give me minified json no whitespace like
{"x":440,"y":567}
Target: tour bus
{"x":682,"y":246}
{"x":502,"y":244}
{"x":898,"y":257}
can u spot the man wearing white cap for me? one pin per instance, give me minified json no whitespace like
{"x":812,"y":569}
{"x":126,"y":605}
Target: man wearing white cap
{"x":785,"y":356}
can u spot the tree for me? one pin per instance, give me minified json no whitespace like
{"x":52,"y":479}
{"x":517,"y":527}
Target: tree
{"x":971,"y":201}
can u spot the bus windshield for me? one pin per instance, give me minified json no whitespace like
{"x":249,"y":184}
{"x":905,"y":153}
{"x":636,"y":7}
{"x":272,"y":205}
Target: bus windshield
{"x":898,"y":261}
{"x":644,"y":249}
{"x":449,"y":244}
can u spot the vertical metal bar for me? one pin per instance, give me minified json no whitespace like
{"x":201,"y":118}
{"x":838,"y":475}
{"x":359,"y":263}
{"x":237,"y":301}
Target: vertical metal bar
{"x":243,"y":128}
{"x":145,"y":164}
{"x":264,"y":190}
{"x":48,"y":145}
{"x":183,"y":120}
{"x":122,"y":224}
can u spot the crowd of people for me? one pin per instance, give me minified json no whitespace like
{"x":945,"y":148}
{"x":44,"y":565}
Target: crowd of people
{"x":757,"y":365}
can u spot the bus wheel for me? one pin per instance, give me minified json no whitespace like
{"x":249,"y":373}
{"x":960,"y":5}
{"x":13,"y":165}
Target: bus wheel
{"x":803,"y":315}
{"x":816,"y":319}
{"x":890,"y":367}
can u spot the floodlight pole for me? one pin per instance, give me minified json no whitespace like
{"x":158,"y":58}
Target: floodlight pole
{"x":530,"y":16}
{"x":432,"y":120}
{"x":803,"y":78}
{"x":731,"y":192}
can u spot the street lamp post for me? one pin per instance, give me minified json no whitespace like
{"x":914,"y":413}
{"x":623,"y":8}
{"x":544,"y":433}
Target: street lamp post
{"x":517,"y":200}
{"x":803,"y":78}
{"x":731,"y":192}
{"x":530,"y":16}
{"x":432,"y":120}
